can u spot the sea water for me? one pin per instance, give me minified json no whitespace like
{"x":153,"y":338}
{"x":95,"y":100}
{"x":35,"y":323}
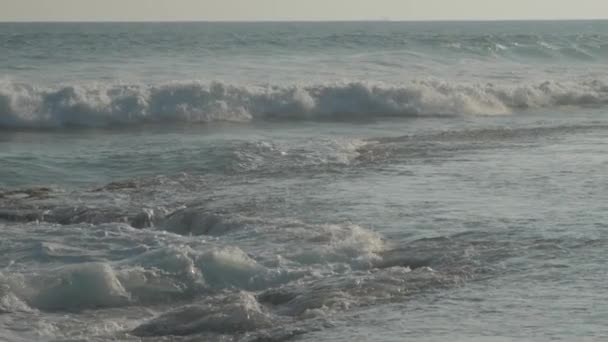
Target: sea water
{"x":352,"y":181}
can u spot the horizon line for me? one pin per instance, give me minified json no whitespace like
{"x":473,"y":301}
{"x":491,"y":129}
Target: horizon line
{"x":379,"y":20}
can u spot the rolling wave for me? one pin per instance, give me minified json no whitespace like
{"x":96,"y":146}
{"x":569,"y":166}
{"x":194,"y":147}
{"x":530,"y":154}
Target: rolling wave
{"x":101,"y":105}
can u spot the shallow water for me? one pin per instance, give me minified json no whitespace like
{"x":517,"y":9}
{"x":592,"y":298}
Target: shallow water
{"x":137,"y":209}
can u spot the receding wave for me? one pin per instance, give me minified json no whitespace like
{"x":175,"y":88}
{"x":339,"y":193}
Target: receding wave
{"x":101,"y":105}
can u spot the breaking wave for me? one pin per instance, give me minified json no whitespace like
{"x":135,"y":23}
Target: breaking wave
{"x":102,"y":105}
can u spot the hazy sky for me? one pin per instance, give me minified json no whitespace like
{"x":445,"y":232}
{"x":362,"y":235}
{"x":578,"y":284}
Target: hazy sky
{"x":16,"y":10}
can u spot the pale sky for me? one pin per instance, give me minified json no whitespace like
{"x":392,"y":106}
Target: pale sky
{"x":153,"y":10}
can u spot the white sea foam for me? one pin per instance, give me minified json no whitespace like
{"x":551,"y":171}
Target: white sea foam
{"x":100,"y":105}
{"x":82,"y":286}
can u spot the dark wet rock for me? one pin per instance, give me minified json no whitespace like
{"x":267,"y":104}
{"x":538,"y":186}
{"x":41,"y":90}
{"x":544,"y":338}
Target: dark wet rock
{"x":145,"y":219}
{"x":73,"y":215}
{"x":197,"y":221}
{"x":37,"y":193}
{"x":26,"y":215}
{"x":119,"y":185}
{"x":276,"y":296}
{"x":277,"y":336}
{"x":66,"y":215}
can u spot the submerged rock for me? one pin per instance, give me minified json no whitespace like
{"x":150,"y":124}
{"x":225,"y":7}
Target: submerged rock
{"x":233,"y":314}
{"x":38,"y":193}
{"x":196,"y":221}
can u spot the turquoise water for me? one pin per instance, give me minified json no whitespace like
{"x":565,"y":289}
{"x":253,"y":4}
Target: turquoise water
{"x":371,"y":181}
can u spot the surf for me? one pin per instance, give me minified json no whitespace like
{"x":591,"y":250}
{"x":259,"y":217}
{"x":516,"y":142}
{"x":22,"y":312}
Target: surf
{"x":25,"y":105}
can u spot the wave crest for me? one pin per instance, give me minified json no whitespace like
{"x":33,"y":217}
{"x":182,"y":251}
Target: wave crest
{"x":101,"y":105}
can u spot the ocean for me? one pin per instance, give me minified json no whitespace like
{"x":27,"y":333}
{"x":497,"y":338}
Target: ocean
{"x":304,"y":181}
